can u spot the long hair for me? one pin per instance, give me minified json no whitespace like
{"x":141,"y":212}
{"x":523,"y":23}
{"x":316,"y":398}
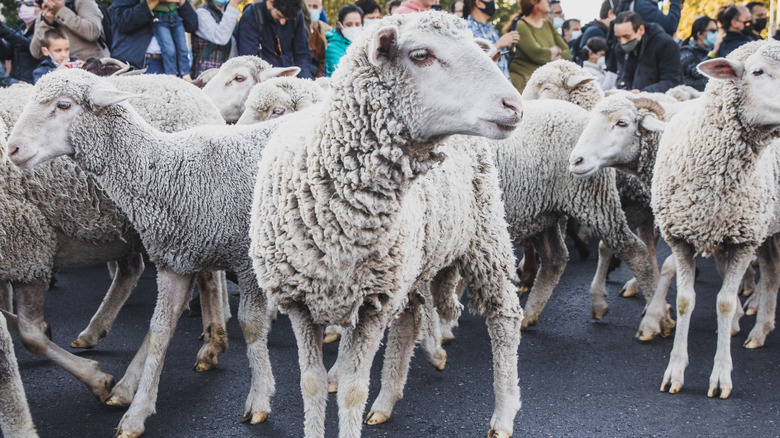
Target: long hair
{"x":699,"y":26}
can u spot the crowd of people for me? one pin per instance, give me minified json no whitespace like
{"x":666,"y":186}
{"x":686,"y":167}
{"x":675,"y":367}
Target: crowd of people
{"x":633,"y":45}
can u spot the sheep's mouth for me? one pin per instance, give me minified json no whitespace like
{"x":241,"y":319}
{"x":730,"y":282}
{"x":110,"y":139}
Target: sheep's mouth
{"x":581,"y":172}
{"x":18,"y":160}
{"x":506,"y":125}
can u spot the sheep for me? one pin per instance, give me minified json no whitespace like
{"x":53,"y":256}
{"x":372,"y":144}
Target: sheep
{"x":278,"y":96}
{"x":715,"y":186}
{"x":353,"y":213}
{"x":564,"y":80}
{"x":12,"y":102}
{"x":15,"y":418}
{"x":229,"y":86}
{"x":164,"y":183}
{"x":683,"y":93}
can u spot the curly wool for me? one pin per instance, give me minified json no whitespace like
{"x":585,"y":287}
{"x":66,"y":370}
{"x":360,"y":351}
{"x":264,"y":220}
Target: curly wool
{"x":12,"y":102}
{"x":557,"y":73}
{"x":290,"y":94}
{"x":350,"y":211}
{"x":714,"y":180}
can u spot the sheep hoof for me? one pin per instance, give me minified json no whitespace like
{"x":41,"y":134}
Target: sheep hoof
{"x":529,"y":321}
{"x":751,"y":311}
{"x":124,"y":434}
{"x":747,"y":292}
{"x":492,"y":433}
{"x":522,"y":290}
{"x":676,"y":387}
{"x":204,"y":365}
{"x":446,"y":339}
{"x":628,"y":293}
{"x":440,"y":361}
{"x":376,"y":417}
{"x":723,"y":393}
{"x":254,"y":417}
{"x":645,"y":336}
{"x":599,"y":314}
{"x":235,"y":293}
{"x":734,"y":332}
{"x":333,"y":387}
{"x":83,"y":343}
{"x":752,"y":344}
{"x":116,"y":400}
{"x":331,"y":337}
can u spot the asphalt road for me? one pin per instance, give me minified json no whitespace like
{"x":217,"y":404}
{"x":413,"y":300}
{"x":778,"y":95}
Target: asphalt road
{"x":578,"y":377}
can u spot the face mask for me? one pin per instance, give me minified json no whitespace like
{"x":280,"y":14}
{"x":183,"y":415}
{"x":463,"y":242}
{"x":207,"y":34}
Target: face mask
{"x":759,"y":24}
{"x":221,"y":2}
{"x":630,"y":46}
{"x":489,"y":9}
{"x":557,"y":22}
{"x":27,"y":13}
{"x":712,"y":37}
{"x":368,"y":22}
{"x":351,"y":33}
{"x":748,"y":30}
{"x":315,"y":15}
{"x":576,"y":34}
{"x":602,"y":63}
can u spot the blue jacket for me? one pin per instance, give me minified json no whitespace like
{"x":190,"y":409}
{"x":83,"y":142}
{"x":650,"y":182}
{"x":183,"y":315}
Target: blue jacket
{"x":335,"y":50}
{"x":132,"y":26}
{"x":17,"y":46}
{"x":46,"y":66}
{"x":292,"y":38}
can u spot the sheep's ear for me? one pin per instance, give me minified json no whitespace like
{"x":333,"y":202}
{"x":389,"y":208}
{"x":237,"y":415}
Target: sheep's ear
{"x":575,"y":81}
{"x":276,"y":72}
{"x":651,"y":123}
{"x":721,"y":68}
{"x":531,"y":93}
{"x":104,"y":96}
{"x":205,"y":77}
{"x":383,"y":45}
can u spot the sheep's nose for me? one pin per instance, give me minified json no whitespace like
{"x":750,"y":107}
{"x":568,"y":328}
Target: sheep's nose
{"x":12,"y":150}
{"x":513,"y":105}
{"x":576,"y":161}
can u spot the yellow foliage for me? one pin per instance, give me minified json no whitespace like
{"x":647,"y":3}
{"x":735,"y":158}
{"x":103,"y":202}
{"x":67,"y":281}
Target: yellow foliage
{"x":692,"y":9}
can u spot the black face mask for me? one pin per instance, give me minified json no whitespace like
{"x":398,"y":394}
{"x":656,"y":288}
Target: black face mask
{"x":489,"y":9}
{"x":748,"y":30}
{"x":759,"y":24}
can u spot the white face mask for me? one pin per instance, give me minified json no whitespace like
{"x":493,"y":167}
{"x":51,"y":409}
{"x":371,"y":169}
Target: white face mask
{"x":351,"y":33}
{"x":368,"y":22}
{"x":576,"y":34}
{"x":315,"y":15}
{"x":558,"y":22}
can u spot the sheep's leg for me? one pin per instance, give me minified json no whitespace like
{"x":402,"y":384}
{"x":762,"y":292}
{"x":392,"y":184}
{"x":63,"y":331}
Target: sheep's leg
{"x":224,"y":302}
{"x":646,"y":232}
{"x":684,"y":259}
{"x":253,"y":317}
{"x":173,"y":294}
{"x":529,"y":268}
{"x":722,"y":265}
{"x":15,"y":418}
{"x":748,"y":285}
{"x":313,"y":374}
{"x":598,"y":286}
{"x":766,"y":290}
{"x":720,"y":379}
{"x":631,"y":250}
{"x":552,"y":250}
{"x":572,"y":228}
{"x":124,"y":391}
{"x":430,"y":342}
{"x":398,"y":353}
{"x":657,"y":319}
{"x":6,"y":296}
{"x":333,"y":373}
{"x":127,"y":272}
{"x":215,"y":340}
{"x":358,"y":347}
{"x":29,"y":300}
{"x":447,"y":288}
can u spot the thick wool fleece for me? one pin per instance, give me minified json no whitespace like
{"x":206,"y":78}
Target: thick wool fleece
{"x":12,"y":102}
{"x":288,"y":93}
{"x":715,"y":180}
{"x":558,"y":73}
{"x":350,"y":212}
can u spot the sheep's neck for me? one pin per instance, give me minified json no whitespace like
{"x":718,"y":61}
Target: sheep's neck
{"x":648,"y":149}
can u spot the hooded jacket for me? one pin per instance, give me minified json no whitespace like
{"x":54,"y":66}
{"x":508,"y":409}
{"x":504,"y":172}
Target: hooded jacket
{"x":654,"y":66}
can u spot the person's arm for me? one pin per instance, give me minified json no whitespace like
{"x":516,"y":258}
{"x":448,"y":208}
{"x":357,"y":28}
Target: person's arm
{"x":15,"y":40}
{"x":6,"y":81}
{"x":688,"y":63}
{"x":248,"y":39}
{"x":560,"y":42}
{"x":41,"y":26}
{"x":650,"y":13}
{"x":188,"y":16}
{"x":86,"y":22}
{"x":669,"y":68}
{"x":129,"y":16}
{"x":218,"y":33}
{"x":528,"y":45}
{"x":301,"y":50}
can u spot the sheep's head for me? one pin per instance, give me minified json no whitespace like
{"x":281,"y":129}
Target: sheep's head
{"x":279,"y":96}
{"x":754,"y":69}
{"x":563,"y":80}
{"x":612,"y":136}
{"x":230,"y":85}
{"x":43,"y":131}
{"x":426,"y":70}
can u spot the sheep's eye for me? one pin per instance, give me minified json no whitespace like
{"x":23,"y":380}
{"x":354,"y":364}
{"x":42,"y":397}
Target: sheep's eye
{"x":758,"y":72}
{"x":63,"y":105}
{"x":419,"y":55}
{"x":239,"y":78}
{"x":278,"y":111}
{"x":547,"y":88}
{"x":622,"y":123}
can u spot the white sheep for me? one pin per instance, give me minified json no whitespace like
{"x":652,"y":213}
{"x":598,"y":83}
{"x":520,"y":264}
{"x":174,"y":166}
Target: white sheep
{"x":165,"y":183}
{"x":715,"y":185}
{"x":564,"y":80}
{"x":279,"y":96}
{"x":229,"y":86}
{"x":15,"y":418}
{"x":361,"y":200}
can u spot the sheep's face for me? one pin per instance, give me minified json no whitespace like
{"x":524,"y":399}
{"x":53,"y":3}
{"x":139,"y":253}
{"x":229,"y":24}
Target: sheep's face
{"x":230,"y":87}
{"x":278,"y":97}
{"x":42,"y":132}
{"x":556,"y":80}
{"x":611,"y":137}
{"x":442,"y":79}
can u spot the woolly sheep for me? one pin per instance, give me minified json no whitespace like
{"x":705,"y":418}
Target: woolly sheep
{"x":229,"y":86}
{"x":279,"y":96}
{"x":715,"y":186}
{"x":683,"y":93}
{"x":12,"y":102}
{"x":564,"y":80}
{"x":15,"y":418}
{"x":166,"y":194}
{"x":353,"y":209}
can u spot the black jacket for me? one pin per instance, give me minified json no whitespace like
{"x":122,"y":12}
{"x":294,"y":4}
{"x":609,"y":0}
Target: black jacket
{"x":17,"y":43}
{"x":732,"y":41}
{"x":654,"y":66}
{"x":691,"y":55}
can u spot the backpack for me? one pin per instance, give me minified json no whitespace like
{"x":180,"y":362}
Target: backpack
{"x":260,"y":24}
{"x":106,"y":37}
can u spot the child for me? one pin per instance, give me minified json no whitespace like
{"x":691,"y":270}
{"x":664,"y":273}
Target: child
{"x":593,"y":61}
{"x":57,"y":50}
{"x":169,"y":31}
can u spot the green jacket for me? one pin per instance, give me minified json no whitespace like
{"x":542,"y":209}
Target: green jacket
{"x":336,"y":48}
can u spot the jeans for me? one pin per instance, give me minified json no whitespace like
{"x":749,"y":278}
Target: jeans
{"x":169,"y":31}
{"x":154,"y":66}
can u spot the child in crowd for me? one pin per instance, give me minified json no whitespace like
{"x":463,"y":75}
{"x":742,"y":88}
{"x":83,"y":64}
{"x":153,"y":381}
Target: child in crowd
{"x":593,"y":61}
{"x":169,"y":31}
{"x":57,"y":50}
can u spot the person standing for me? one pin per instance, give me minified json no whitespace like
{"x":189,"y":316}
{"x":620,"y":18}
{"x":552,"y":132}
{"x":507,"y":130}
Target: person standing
{"x":318,"y":42}
{"x":651,"y":58}
{"x":17,"y":42}
{"x":349,"y":26}
{"x":275,"y":30}
{"x":700,"y":46}
{"x":538,"y":42}
{"x":83,"y":25}
{"x":758,"y":18}
{"x":736,"y":20}
{"x":477,"y":14}
{"x":213,"y":43}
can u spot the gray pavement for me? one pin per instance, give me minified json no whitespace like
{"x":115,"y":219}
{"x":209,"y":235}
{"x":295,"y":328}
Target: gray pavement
{"x":578,"y":378}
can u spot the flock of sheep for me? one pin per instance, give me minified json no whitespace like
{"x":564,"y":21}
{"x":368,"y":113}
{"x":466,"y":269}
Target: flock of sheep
{"x":387,"y":193}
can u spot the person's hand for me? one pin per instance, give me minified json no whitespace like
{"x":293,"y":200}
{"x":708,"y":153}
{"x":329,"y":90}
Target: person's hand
{"x":508,"y":39}
{"x":635,"y":91}
{"x":50,"y":8}
{"x":555,"y":53}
